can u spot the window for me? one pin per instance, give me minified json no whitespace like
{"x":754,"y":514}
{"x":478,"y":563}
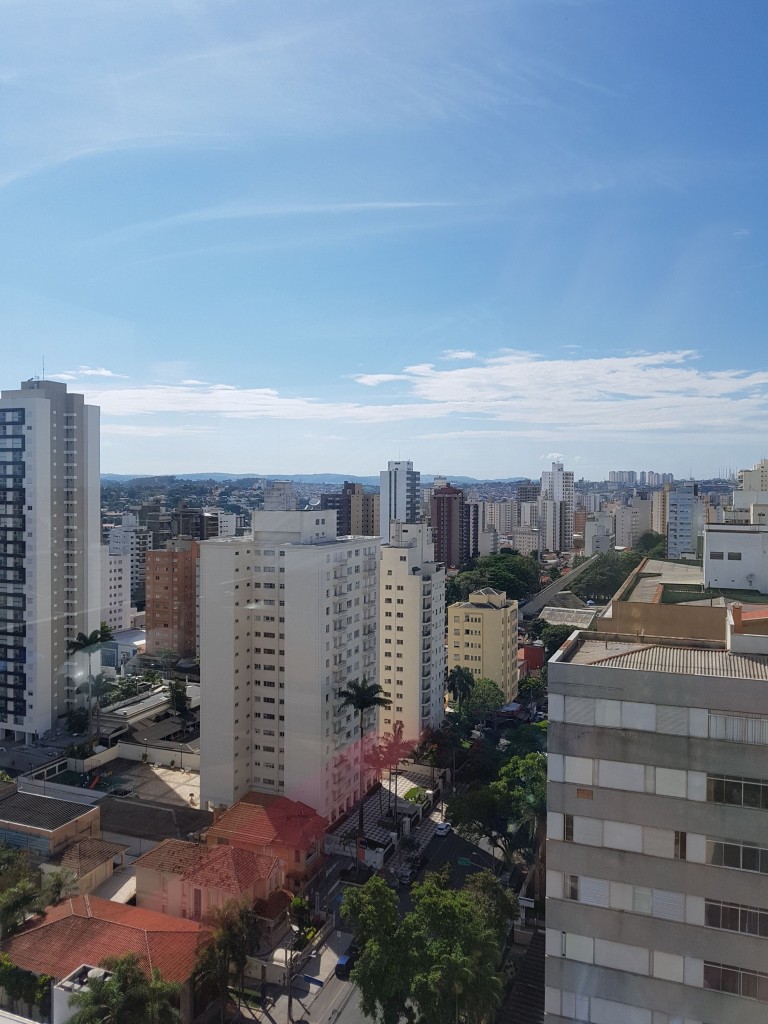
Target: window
{"x":568,"y":828}
{"x":716,"y":556}
{"x":571,"y":887}
{"x":734,"y":556}
{"x":680,"y":845}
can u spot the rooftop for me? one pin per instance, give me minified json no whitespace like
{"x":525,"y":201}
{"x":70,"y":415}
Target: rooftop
{"x":86,"y":929}
{"x":43,"y":812}
{"x":218,"y":867}
{"x":652,"y":654}
{"x":87,"y":854}
{"x":262,"y":820}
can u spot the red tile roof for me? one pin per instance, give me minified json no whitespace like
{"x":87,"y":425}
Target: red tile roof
{"x":86,"y":930}
{"x":265,"y":821}
{"x":216,"y":867}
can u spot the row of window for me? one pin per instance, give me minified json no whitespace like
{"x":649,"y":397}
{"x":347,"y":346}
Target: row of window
{"x":733,"y":556}
{"x":736,"y":980}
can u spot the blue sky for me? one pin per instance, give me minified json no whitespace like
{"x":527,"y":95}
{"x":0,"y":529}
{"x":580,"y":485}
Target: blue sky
{"x":296,"y":237}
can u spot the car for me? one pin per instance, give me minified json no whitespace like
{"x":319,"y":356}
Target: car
{"x":407,"y":875}
{"x":443,"y":828}
{"x":345,"y":963}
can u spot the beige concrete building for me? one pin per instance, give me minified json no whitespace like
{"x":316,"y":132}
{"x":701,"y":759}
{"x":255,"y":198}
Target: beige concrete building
{"x":288,"y":618}
{"x":482,"y":637}
{"x":411,"y":630}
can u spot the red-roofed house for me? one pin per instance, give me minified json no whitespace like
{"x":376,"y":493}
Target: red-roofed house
{"x":86,"y":929}
{"x":189,"y":879}
{"x":287,"y":829}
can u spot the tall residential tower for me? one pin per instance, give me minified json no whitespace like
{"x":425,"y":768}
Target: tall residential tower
{"x":50,"y":580}
{"x":399,"y":496}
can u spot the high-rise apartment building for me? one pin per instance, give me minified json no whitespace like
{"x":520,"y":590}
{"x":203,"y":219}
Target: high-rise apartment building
{"x":411,"y":630}
{"x":279,"y":496}
{"x":632,"y":521}
{"x":288,"y":619}
{"x":133,"y":540}
{"x":357,"y":511}
{"x":482,"y":637}
{"x":685,"y":520}
{"x":501,"y":515}
{"x":657,"y":857}
{"x":115,"y":589}
{"x":399,"y":496}
{"x":50,"y":588}
{"x":556,"y":507}
{"x":755,"y":479}
{"x":171,"y":592}
{"x":450,"y":525}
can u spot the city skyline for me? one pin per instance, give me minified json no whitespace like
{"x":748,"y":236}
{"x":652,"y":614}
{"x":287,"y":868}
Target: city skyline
{"x":343,"y":235}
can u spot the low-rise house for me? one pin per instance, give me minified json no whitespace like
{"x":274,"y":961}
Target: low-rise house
{"x":190,"y":879}
{"x":87,"y":862}
{"x":287,"y":829}
{"x":85,"y":929}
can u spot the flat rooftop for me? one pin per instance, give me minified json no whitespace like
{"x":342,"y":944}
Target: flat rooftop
{"x":657,"y":572}
{"x":660,"y":654}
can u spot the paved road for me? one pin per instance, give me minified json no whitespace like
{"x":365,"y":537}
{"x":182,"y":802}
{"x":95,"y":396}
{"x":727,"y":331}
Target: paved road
{"x":337,"y":1003}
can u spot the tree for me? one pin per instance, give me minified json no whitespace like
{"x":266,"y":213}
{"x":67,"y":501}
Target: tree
{"x":102,"y":686}
{"x":652,"y":544}
{"x":605,"y":574}
{"x":16,"y":904}
{"x":89,"y":644}
{"x":56,"y":885}
{"x":460,"y":684}
{"x":234,"y":937}
{"x":168,"y":658}
{"x":523,"y":783}
{"x":385,"y":966}
{"x":177,"y":691}
{"x":516,"y":575}
{"x":484,"y":698}
{"x":554,"y":637}
{"x":361,"y":697}
{"x":486,"y":814}
{"x":126,"y":995}
{"x":531,"y":689}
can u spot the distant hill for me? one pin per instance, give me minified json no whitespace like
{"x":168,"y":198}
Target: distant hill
{"x":298,"y":478}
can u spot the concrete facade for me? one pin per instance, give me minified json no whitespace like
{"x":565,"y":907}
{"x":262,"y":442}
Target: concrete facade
{"x":685,"y":520}
{"x":736,"y":557}
{"x":556,"y":508}
{"x":411,"y":630}
{"x":655,"y":886}
{"x":51,"y":581}
{"x":287,"y":619}
{"x":399,"y":496}
{"x":115,"y":589}
{"x":482,"y":637}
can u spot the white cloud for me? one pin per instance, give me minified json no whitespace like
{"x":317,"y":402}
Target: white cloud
{"x":655,"y":397}
{"x":459,"y":353}
{"x":86,"y":371}
{"x":552,"y":457}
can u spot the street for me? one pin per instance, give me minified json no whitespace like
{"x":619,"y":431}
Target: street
{"x":337,"y":1003}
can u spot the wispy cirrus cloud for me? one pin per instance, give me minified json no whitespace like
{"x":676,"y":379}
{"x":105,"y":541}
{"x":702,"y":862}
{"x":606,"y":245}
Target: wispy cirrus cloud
{"x":459,"y":354}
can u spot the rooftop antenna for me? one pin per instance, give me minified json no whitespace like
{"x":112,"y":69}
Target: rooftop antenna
{"x":43,"y":367}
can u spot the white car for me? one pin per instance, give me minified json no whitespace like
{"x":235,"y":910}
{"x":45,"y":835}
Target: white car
{"x":443,"y":828}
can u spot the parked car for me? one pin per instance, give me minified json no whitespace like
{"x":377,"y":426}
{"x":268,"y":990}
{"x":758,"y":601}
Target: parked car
{"x":407,"y":875}
{"x":443,"y":828}
{"x":346,"y":962}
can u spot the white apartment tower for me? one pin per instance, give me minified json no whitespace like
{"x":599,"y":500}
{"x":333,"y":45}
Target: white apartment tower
{"x":115,"y":589}
{"x":50,"y":583}
{"x":556,"y":505}
{"x":399,"y":496}
{"x":411,"y":630}
{"x":134,"y":541}
{"x":685,"y":520}
{"x":287,"y":620}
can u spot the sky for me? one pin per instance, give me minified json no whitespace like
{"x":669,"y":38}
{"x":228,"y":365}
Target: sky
{"x":270,"y":237}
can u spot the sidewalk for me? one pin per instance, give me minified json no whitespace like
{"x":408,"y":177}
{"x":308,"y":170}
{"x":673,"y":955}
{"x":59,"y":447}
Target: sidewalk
{"x":320,"y":966}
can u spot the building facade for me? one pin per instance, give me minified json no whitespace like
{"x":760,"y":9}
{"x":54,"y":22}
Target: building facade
{"x":171,"y":595}
{"x":357,"y":511}
{"x":411,"y":630}
{"x":482,"y":637}
{"x":129,"y":538}
{"x":685,"y":520}
{"x":399,"y":496}
{"x":115,"y":589}
{"x":450,"y":525}
{"x":657,"y":891}
{"x":556,"y":508}
{"x":287,"y":620}
{"x":50,"y":588}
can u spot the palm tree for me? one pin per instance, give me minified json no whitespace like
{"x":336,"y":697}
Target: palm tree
{"x":361,"y":697}
{"x":16,"y":903}
{"x":456,"y":974}
{"x":234,"y":937}
{"x":126,"y":996}
{"x":89,"y":644}
{"x":460,"y":683}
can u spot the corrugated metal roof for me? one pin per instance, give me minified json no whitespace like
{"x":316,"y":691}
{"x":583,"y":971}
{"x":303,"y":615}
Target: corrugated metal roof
{"x":686,"y":661}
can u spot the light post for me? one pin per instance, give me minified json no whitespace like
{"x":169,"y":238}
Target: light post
{"x":289,"y":963}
